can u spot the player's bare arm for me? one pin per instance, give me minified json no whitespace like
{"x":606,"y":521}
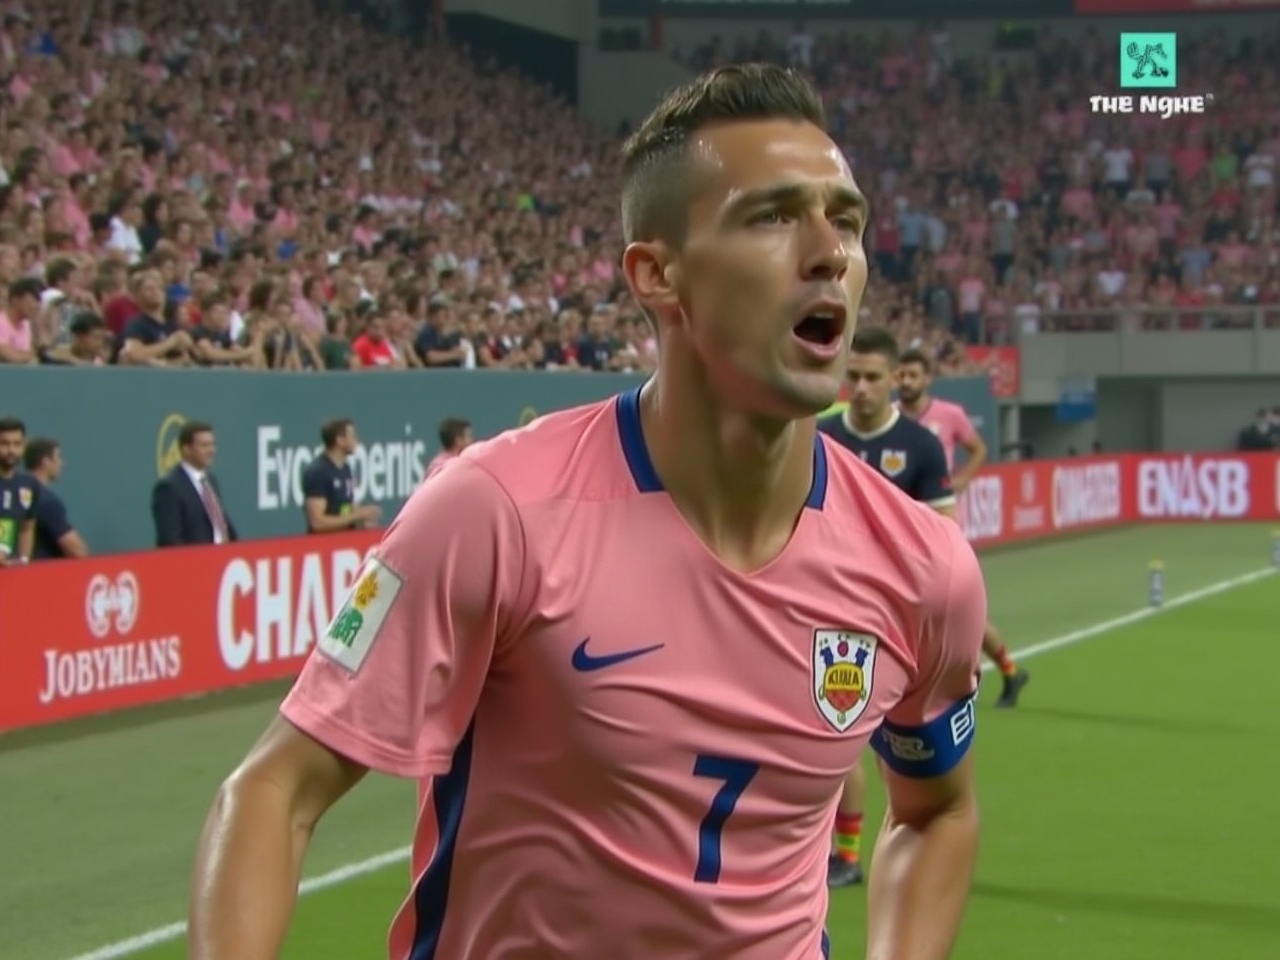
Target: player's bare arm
{"x":923,"y":864}
{"x":975,"y":449}
{"x":249,"y":861}
{"x":26,"y":539}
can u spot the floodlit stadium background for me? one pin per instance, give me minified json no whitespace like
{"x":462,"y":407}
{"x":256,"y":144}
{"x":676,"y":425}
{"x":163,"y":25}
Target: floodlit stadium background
{"x":1101,"y":289}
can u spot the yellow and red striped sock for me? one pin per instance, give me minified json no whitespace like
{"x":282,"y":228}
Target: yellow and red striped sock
{"x":849,"y":836}
{"x":1004,"y":661}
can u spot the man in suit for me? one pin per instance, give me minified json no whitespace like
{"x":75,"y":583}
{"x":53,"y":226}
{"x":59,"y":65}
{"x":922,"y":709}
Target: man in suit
{"x":186,"y":503}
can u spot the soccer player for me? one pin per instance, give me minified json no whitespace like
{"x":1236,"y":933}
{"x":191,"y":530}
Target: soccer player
{"x":18,"y":493}
{"x":910,"y":457}
{"x":632,"y":649}
{"x":328,"y":486}
{"x":951,"y":425}
{"x":455,"y":436}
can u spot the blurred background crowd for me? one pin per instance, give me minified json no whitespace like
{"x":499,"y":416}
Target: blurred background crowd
{"x":293,"y":188}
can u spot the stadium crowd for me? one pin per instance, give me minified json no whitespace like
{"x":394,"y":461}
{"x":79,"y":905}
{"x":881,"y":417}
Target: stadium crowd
{"x":268,"y":186}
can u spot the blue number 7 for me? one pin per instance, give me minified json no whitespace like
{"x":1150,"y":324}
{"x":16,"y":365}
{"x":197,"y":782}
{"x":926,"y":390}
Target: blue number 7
{"x":736,"y":774}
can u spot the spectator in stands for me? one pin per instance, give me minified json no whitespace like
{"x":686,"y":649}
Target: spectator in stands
{"x":247,"y":180}
{"x":151,"y":338}
{"x":19,"y":339}
{"x":87,"y":343}
{"x":55,"y":536}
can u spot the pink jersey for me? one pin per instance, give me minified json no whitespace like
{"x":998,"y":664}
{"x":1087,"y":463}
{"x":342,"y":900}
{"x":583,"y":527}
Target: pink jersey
{"x":627,"y":749}
{"x":950,"y":424}
{"x":438,"y":461}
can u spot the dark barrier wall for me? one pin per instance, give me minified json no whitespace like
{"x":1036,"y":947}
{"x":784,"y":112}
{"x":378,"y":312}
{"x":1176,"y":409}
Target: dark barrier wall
{"x":118,"y":430}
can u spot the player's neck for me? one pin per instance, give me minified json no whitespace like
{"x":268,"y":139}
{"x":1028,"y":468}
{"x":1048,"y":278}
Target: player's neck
{"x":8,"y":474}
{"x":916,"y":407}
{"x":871,"y":425}
{"x":740,"y":481}
{"x":337,"y":456}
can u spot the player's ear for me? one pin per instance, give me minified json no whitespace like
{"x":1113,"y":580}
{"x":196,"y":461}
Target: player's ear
{"x":652,"y":275}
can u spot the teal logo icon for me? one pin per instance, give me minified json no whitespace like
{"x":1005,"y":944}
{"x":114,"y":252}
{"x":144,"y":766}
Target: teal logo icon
{"x":1149,"y":61}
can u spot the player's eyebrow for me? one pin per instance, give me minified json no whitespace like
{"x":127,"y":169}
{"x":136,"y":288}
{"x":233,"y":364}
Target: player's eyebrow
{"x":841,"y":198}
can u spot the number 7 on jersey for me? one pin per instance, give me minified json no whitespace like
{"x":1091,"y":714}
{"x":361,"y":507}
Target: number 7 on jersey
{"x":736,"y":776}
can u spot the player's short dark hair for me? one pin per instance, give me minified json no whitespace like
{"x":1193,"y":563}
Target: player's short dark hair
{"x":39,"y":449}
{"x":331,"y":430}
{"x":188,"y":432}
{"x":453,"y":429}
{"x":877,"y":340}
{"x":918,"y":357}
{"x":12,"y":425}
{"x":656,"y":193}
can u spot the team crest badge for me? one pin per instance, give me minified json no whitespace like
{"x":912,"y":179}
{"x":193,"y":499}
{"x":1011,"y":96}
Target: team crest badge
{"x":24,"y":498}
{"x":843,"y":670}
{"x":893,"y":462}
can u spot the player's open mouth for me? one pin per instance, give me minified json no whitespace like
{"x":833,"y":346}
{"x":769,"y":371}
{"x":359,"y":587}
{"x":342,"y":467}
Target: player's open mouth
{"x":821,"y":329}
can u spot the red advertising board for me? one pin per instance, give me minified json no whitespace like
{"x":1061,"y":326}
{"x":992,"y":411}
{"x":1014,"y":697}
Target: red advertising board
{"x":1174,"y":6}
{"x":1003,"y":365}
{"x":80,"y":637}
{"x":1011,"y":502}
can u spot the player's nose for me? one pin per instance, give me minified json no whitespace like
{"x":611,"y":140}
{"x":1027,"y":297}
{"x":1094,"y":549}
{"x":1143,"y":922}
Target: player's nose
{"x":825,"y":256}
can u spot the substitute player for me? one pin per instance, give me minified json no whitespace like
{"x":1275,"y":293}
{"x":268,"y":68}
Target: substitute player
{"x":911,"y":458}
{"x":632,"y":649}
{"x":18,"y":494}
{"x":951,"y":425}
{"x":329,"y":486}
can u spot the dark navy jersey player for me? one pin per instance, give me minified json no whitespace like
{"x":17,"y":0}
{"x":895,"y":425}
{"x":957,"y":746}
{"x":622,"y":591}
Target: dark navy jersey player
{"x":904,"y":451}
{"x":18,"y":495}
{"x":328,"y":485}
{"x":911,"y":458}
{"x":56,"y":537}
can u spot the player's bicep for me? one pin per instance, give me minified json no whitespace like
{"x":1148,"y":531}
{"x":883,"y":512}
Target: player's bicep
{"x":916,"y":800}
{"x":311,"y":775}
{"x":314,"y":506}
{"x":395,"y":680}
{"x":930,"y":731}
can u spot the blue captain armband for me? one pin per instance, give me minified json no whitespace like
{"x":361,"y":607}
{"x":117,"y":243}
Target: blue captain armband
{"x":931,"y":749}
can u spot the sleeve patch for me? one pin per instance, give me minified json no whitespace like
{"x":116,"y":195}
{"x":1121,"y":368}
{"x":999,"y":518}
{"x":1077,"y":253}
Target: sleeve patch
{"x":931,"y":749}
{"x":358,"y":622}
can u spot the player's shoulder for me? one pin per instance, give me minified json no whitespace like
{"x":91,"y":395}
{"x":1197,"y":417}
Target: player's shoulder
{"x":912,"y":433}
{"x":319,"y":466}
{"x":831,"y":423}
{"x":949,"y":408}
{"x":862,"y":499}
{"x":569,"y":454}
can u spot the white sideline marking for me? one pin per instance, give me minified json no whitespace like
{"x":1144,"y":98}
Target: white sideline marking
{"x":1137,"y":616}
{"x":174,"y":931}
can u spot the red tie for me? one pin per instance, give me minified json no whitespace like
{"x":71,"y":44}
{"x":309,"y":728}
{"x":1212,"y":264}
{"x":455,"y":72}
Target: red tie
{"x":214,"y":509}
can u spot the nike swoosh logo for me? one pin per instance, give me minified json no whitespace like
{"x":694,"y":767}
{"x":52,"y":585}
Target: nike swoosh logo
{"x":584,"y":662}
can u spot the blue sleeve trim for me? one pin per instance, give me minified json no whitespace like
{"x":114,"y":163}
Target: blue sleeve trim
{"x":931,"y":749}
